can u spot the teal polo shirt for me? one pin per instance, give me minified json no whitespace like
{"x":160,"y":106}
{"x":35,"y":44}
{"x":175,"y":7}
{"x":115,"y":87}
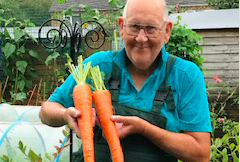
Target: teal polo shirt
{"x":186,"y":79}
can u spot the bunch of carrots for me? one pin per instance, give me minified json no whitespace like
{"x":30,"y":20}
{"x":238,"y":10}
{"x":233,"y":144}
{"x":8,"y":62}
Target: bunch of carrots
{"x":101,"y":97}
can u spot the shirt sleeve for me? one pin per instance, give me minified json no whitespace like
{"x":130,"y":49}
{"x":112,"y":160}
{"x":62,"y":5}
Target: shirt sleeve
{"x":194,"y":113}
{"x":63,"y":94}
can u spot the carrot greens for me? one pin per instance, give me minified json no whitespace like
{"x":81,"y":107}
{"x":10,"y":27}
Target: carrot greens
{"x":79,"y":73}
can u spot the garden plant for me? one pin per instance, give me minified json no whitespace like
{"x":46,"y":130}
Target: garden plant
{"x":222,"y":4}
{"x":17,"y":57}
{"x":225,"y":134}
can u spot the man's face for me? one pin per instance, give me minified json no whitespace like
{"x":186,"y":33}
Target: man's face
{"x":143,"y":48}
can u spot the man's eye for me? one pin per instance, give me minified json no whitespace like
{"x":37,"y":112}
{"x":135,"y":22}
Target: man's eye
{"x":134,"y":26}
{"x":151,"y":29}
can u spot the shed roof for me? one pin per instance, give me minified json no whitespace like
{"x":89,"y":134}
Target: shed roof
{"x":209,"y":19}
{"x":103,"y":4}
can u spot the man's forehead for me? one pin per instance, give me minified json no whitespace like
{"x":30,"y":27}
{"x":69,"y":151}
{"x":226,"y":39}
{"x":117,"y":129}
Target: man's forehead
{"x":156,"y":6}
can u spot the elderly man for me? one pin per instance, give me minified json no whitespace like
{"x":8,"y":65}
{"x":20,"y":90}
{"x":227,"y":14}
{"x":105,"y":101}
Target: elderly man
{"x":160,"y":100}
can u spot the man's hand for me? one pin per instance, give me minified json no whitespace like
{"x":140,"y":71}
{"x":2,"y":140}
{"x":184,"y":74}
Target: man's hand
{"x":127,"y":125}
{"x":71,"y":116}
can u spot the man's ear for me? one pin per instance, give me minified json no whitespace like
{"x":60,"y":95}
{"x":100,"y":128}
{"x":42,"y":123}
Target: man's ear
{"x":120,"y":21}
{"x":168,"y":31}
{"x":120,"y":24}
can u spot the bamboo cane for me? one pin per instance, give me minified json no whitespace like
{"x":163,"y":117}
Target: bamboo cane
{"x":15,"y":92}
{"x":5,"y":85}
{"x":32,"y":94}
{"x":39,"y":87}
{"x":44,"y":88}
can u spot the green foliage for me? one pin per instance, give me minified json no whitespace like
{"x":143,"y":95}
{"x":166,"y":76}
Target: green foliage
{"x":225,"y":95}
{"x":17,"y":57}
{"x":223,"y":4}
{"x":108,"y":18}
{"x":36,"y":12}
{"x":31,"y":156}
{"x":225,"y":148}
{"x":185,"y":43}
{"x":109,"y":21}
{"x":60,"y":1}
{"x":51,"y":57}
{"x":5,"y":158}
{"x":225,"y":134}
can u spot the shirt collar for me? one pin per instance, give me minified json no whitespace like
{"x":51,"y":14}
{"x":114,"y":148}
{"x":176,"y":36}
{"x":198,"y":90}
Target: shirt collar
{"x":120,"y":59}
{"x":164,"y":54}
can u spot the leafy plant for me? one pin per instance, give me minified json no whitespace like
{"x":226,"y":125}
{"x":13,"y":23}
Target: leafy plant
{"x":225,"y":148}
{"x":223,"y":4}
{"x":60,"y":1}
{"x":225,"y":134}
{"x":5,"y":158}
{"x":225,"y":95}
{"x":88,"y":13}
{"x":36,"y":12}
{"x":15,"y":63}
{"x":32,"y":156}
{"x":17,"y":57}
{"x":108,"y":18}
{"x":185,"y":43}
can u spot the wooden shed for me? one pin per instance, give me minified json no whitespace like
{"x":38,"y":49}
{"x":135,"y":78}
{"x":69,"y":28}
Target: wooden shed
{"x":220,"y":32}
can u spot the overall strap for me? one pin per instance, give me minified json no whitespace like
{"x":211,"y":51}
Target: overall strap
{"x":165,"y":93}
{"x":114,"y":81}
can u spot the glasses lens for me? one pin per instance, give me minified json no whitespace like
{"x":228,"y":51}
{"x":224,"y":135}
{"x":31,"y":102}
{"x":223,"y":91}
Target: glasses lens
{"x":133,"y":29}
{"x":151,"y":31}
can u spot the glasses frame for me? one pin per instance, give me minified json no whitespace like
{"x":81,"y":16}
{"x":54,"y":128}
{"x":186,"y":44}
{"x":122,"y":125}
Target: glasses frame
{"x":143,"y":26}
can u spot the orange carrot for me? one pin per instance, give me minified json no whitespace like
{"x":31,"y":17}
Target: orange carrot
{"x":103,"y":104}
{"x":82,"y":97}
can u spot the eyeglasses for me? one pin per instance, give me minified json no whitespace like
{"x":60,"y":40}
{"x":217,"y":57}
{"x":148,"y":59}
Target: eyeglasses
{"x":150,"y":30}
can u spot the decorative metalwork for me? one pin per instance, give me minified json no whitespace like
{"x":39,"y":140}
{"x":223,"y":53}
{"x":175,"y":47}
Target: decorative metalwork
{"x":91,"y":32}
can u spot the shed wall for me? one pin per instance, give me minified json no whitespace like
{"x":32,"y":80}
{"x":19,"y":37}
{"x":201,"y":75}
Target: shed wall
{"x":221,"y":55}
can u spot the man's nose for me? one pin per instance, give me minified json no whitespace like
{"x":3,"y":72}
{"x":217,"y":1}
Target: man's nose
{"x":142,"y":31}
{"x":142,"y":35}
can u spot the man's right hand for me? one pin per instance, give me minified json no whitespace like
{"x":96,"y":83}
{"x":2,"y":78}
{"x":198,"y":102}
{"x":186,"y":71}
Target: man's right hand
{"x":71,"y":115}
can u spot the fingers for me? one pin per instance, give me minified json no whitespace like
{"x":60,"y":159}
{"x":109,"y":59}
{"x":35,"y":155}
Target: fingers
{"x":118,"y":118}
{"x":123,"y":119}
{"x":93,"y":116}
{"x":96,"y":119}
{"x":71,"y":116}
{"x":130,"y":124}
{"x":74,"y":112}
{"x":98,"y":122}
{"x":76,"y":128}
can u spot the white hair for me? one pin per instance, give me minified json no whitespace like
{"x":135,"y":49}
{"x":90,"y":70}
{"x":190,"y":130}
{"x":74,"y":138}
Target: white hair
{"x":162,"y":1}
